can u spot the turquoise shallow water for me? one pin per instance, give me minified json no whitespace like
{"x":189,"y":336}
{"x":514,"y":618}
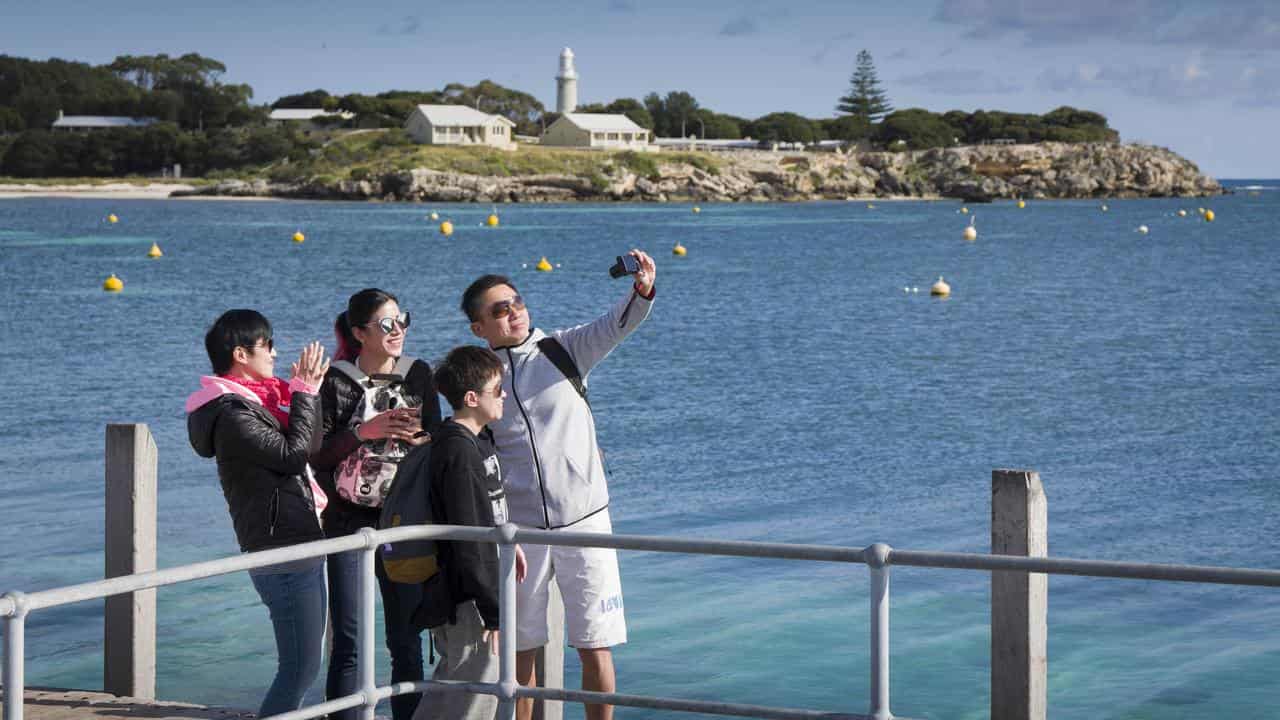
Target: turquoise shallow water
{"x":785,"y":388}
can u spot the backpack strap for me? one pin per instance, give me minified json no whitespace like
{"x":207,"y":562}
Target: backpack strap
{"x":403,"y":364}
{"x":560,"y":357}
{"x":351,"y":370}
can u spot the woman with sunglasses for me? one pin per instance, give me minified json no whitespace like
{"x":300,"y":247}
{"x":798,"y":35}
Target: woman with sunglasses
{"x":371,"y":334}
{"x":261,"y":430}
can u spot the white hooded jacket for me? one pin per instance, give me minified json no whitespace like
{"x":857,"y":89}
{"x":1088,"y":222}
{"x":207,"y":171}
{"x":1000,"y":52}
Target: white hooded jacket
{"x":552,"y":468}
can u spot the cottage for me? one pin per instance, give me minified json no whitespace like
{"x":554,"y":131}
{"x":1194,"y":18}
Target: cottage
{"x":85,"y":123}
{"x":307,"y":119}
{"x":459,"y":125}
{"x":596,"y":130}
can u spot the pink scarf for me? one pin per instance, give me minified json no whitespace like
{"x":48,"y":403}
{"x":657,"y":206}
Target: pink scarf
{"x":274,"y":394}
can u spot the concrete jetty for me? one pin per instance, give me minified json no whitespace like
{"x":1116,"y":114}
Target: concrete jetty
{"x":57,"y":704}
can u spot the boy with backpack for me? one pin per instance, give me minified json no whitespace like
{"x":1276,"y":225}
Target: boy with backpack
{"x":460,"y":604}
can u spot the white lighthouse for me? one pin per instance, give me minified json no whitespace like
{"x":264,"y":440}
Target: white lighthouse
{"x":566,"y":84}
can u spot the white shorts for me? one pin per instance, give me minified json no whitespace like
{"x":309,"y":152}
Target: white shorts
{"x":589,"y":583}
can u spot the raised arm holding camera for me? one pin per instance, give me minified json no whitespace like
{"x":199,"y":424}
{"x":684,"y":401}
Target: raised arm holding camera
{"x":553,"y":469}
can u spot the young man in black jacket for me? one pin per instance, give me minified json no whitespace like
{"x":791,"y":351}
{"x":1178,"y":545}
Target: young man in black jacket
{"x":466,"y":489}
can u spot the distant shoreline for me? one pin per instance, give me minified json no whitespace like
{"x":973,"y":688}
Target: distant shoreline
{"x":110,"y":191}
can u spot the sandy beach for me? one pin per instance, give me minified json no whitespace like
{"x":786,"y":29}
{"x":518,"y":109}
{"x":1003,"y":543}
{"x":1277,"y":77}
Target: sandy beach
{"x":123,"y":191}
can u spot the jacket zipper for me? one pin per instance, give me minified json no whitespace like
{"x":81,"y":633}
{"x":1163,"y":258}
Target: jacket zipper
{"x":273,"y":511}
{"x":537,"y":466}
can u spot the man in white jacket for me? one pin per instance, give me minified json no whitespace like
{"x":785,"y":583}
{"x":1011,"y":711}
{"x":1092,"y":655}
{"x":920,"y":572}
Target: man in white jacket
{"x":553,"y":470}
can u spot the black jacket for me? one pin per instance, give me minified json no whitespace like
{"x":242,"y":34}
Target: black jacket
{"x":339,"y":395}
{"x":466,"y":489}
{"x":262,"y":467}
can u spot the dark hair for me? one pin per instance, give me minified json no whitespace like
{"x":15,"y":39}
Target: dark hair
{"x":471,"y":297}
{"x":466,"y":367}
{"x":233,"y":329}
{"x":360,"y":310}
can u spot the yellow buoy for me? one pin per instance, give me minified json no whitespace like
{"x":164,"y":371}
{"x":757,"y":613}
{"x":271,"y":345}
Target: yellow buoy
{"x":434,"y":216}
{"x":446,"y":228}
{"x":299,"y":237}
{"x":1208,"y":216}
{"x":940,"y":287}
{"x":1022,"y":204}
{"x":492,"y":221}
{"x":964,"y":211}
{"x":971,"y":233}
{"x":1182,"y":213}
{"x":871,"y":206}
{"x":543,"y":265}
{"x":154,"y":252}
{"x":679,"y":249}
{"x":113,"y":219}
{"x":113,"y":284}
{"x":696,"y":209}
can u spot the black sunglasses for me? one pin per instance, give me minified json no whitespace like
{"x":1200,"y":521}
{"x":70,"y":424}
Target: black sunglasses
{"x":504,"y":308}
{"x":388,"y":324}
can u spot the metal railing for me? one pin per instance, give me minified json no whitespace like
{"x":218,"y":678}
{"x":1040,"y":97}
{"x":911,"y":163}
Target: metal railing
{"x":15,"y":606}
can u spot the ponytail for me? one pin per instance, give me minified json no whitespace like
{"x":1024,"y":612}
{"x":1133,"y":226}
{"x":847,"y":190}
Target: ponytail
{"x":348,"y":345}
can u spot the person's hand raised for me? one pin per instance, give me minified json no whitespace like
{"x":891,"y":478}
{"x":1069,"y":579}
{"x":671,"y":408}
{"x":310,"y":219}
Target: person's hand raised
{"x":647,"y":274}
{"x":311,"y":365}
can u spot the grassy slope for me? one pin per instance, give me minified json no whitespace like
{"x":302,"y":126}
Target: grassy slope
{"x":357,"y":156}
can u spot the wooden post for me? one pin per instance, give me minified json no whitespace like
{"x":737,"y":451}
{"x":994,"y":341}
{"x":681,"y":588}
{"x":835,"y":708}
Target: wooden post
{"x":129,"y":622}
{"x":550,"y":660}
{"x":1019,"y":600}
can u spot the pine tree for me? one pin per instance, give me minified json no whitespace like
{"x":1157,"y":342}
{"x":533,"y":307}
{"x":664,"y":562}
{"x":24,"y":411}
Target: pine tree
{"x":865,"y":99}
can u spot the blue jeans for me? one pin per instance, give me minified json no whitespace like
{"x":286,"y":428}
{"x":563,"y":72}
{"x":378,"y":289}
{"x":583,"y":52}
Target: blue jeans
{"x":403,"y":640}
{"x":296,"y":602}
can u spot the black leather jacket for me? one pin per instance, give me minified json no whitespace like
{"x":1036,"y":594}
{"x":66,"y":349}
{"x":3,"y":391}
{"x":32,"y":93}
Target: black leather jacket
{"x":262,"y":467}
{"x":339,"y":395}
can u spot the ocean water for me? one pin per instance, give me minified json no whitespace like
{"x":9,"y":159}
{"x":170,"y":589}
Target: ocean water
{"x":785,"y":388}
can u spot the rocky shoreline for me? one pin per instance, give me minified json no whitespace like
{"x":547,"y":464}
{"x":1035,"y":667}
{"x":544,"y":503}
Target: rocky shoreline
{"x":1033,"y":171}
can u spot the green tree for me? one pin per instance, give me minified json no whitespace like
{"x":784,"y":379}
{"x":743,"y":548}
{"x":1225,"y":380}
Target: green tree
{"x":715,"y":126}
{"x":916,"y":128}
{"x":264,"y":145}
{"x":673,"y":115}
{"x":311,"y":99}
{"x":11,"y":121}
{"x":784,"y":127}
{"x":865,"y":99}
{"x":680,"y":107}
{"x":849,"y":128}
{"x":30,"y":155}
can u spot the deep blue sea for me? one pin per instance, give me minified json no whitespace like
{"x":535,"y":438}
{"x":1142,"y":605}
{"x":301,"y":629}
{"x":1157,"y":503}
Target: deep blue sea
{"x":790,"y":385}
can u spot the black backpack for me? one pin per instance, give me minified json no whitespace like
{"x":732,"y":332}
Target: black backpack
{"x":409,"y":561}
{"x":416,"y":562}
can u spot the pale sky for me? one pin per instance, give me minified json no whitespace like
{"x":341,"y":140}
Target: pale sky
{"x":1201,"y":78}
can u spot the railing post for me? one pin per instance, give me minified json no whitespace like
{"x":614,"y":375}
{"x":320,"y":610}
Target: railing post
{"x":15,"y":658}
{"x":129,"y":621}
{"x":507,"y":623}
{"x":1019,"y":600}
{"x":877,"y":558}
{"x":364,"y":632}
